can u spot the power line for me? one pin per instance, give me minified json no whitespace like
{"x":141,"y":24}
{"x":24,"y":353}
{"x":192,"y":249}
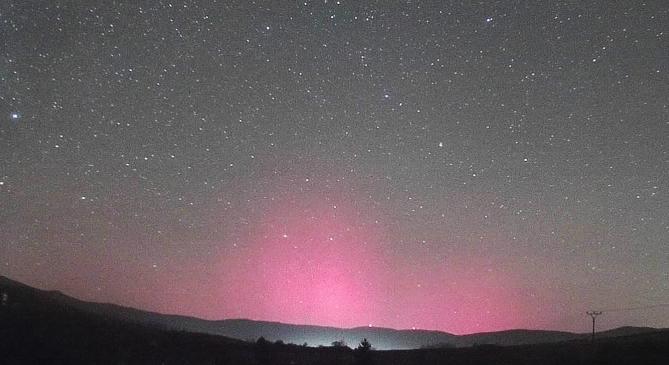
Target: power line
{"x":634,"y":308}
{"x":594,"y":315}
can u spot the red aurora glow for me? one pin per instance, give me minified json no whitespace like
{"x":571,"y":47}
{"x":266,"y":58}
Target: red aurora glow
{"x":312,"y":261}
{"x":312,"y":264}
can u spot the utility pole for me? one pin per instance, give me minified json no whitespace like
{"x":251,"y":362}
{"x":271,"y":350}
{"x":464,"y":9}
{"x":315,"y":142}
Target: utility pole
{"x":594,"y":315}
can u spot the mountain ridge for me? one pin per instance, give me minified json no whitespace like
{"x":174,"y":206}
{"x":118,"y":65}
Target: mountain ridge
{"x":315,"y":335}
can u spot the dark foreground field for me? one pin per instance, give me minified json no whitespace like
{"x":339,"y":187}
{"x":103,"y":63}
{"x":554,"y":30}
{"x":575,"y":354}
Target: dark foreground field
{"x":37,"y":329}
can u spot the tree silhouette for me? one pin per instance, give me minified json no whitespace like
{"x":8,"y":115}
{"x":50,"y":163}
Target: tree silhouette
{"x":339,"y":343}
{"x":363,"y":353}
{"x":364,"y":345}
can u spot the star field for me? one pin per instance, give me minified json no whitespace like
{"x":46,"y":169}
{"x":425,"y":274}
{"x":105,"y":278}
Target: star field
{"x":461,"y":166}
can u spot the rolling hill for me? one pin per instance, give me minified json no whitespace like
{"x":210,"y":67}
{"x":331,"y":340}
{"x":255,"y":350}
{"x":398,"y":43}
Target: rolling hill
{"x":244,"y":329}
{"x":38,"y":327}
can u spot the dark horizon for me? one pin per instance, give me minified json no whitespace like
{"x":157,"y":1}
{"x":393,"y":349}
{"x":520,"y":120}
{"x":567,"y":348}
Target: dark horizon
{"x":46,"y":326}
{"x":24,"y":309}
{"x":601,"y":328}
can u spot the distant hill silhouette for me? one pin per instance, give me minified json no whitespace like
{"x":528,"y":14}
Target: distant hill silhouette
{"x":382,"y":338}
{"x":39,"y":326}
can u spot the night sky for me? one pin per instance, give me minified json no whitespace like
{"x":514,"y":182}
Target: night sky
{"x":463,"y":166}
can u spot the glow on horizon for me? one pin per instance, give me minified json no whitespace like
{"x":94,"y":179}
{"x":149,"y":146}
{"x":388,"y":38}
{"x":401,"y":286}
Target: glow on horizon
{"x":309,"y":263}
